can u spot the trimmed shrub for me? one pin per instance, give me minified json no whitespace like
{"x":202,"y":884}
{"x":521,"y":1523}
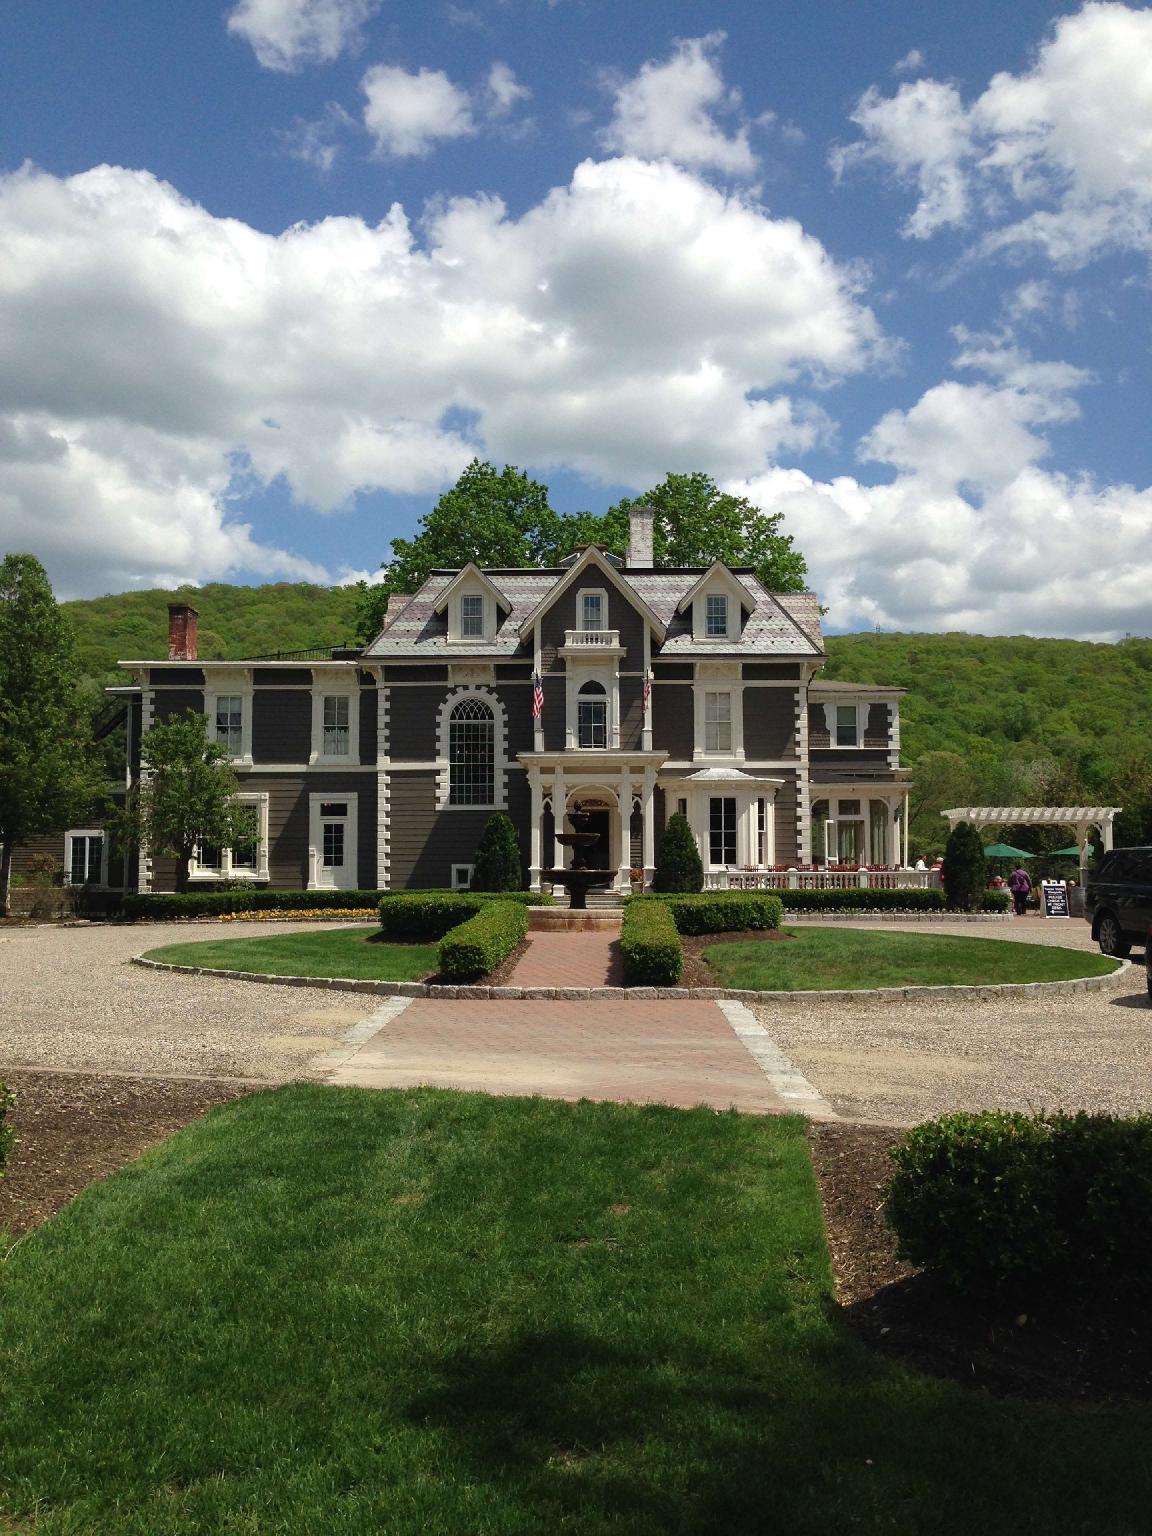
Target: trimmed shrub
{"x":1002,"y":1203}
{"x":678,"y":866}
{"x":721,"y":911}
{"x":650,"y":945}
{"x":7,"y":1134}
{"x":164,"y":906}
{"x":996,"y":901}
{"x":477,"y":946}
{"x":853,"y":899}
{"x":497,"y":865}
{"x":965,"y":868}
{"x":432,"y":914}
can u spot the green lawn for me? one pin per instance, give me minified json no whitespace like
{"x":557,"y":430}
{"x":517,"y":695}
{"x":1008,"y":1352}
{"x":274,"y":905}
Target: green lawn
{"x":436,"y":1314}
{"x":352,"y":953}
{"x":817,"y":959}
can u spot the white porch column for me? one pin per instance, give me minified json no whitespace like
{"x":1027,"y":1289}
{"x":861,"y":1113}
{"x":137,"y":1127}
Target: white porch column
{"x":1106,"y":834}
{"x":624,"y":871}
{"x":648,"y":811}
{"x":559,"y":807}
{"x":904,"y":829}
{"x":537,"y":814}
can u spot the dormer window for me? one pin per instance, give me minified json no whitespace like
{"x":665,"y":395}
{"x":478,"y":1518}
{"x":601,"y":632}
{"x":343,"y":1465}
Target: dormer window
{"x":716,"y":616}
{"x":472,"y":616}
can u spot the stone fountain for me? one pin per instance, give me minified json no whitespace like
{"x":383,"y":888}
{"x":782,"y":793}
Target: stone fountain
{"x":581,"y":878}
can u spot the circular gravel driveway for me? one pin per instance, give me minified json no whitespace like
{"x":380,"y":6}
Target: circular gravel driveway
{"x":71,"y":999}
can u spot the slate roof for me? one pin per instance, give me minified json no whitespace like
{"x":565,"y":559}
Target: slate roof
{"x":777,"y":626}
{"x":830,"y":685}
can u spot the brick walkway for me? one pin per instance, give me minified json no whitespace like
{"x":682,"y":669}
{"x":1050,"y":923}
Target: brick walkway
{"x":570,"y":960}
{"x":667,"y":1051}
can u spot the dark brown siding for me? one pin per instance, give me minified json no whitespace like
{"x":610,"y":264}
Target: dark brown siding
{"x":787,"y":846}
{"x":282,"y":677}
{"x":415,"y":674}
{"x":178,"y":677}
{"x":631,"y":712}
{"x":673,"y":721}
{"x":173,"y":701}
{"x":554,"y":719}
{"x":552,"y":627}
{"x":679,"y":671}
{"x":852,"y":757}
{"x":767,"y":671}
{"x":425,"y":843}
{"x":135,"y":713}
{"x":876,"y":729}
{"x":507,"y":674}
{"x":368,"y":712}
{"x":517,"y":703}
{"x":624,"y":617}
{"x":412,"y":716}
{"x":621,"y":615}
{"x":281,"y":725}
{"x":769,"y":723}
{"x":818,"y":733}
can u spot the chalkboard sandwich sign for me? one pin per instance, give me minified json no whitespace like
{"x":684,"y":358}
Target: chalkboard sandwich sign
{"x":1054,"y":898}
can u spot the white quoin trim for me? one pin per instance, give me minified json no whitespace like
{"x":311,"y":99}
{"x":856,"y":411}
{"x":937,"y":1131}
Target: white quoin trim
{"x":487,"y":696}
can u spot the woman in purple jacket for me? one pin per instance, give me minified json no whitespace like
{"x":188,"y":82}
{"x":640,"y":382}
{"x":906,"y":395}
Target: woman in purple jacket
{"x":1020,"y":886}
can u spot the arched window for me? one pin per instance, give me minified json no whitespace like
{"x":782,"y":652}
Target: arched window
{"x":592,"y":716}
{"x":471,"y":754}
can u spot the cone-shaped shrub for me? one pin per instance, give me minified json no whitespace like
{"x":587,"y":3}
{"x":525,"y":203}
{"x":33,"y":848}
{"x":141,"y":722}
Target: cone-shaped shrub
{"x":497,"y":866}
{"x":965,"y":868}
{"x":678,"y":867}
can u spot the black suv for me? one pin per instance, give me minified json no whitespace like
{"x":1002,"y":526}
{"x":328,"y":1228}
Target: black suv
{"x":1118,"y":899}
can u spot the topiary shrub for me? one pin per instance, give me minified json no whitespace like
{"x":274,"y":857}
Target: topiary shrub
{"x":650,"y":945}
{"x":476,"y":947}
{"x":678,"y":866}
{"x":965,"y":868}
{"x":496,"y":865}
{"x":1001,"y":1203}
{"x":430,"y":914}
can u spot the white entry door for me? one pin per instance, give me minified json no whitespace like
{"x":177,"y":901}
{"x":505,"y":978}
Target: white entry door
{"x":332,"y":843}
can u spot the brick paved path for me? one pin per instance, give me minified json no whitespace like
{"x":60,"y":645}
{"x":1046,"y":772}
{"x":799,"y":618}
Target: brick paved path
{"x":666,"y":1051}
{"x":562,"y":959}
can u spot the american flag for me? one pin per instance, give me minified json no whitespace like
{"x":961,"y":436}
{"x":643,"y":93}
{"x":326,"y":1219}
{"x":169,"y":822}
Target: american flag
{"x":537,"y":696}
{"x":647,"y":688}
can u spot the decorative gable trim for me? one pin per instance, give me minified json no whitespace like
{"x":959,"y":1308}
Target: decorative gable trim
{"x":718,"y":577}
{"x":468,"y":574}
{"x":591,"y":559}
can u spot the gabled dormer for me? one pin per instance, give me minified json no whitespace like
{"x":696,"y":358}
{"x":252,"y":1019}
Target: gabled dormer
{"x":475,"y":606}
{"x":718,"y":603}
{"x":584,"y":592}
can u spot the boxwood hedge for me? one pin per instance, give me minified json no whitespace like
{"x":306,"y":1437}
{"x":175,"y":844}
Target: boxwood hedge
{"x":720,"y":911}
{"x":474,"y":948}
{"x":431,"y":914}
{"x":650,"y":945}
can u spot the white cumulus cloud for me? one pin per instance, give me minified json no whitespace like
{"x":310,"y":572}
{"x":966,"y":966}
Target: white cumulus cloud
{"x":668,"y":111}
{"x":160,"y":362}
{"x":407,"y":112}
{"x":1057,"y":158}
{"x":287,"y":34}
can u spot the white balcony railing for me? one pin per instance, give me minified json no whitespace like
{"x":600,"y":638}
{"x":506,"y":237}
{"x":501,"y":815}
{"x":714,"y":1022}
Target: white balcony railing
{"x":590,"y":639}
{"x":819,"y":879}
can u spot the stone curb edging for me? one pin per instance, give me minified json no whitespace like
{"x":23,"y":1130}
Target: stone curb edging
{"x":646,"y":994}
{"x":863,"y":915}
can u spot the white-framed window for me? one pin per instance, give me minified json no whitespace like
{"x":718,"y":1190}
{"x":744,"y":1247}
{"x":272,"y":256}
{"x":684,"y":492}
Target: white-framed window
{"x":716,"y":616}
{"x":332,"y":855}
{"x":462,"y":877}
{"x":337,"y":713}
{"x":85,"y":857}
{"x":592,"y":610}
{"x":230,"y":723}
{"x":472,"y":616}
{"x":228,"y":710}
{"x":471,"y":753}
{"x":682,"y":807}
{"x":761,"y":830}
{"x":247,"y":859}
{"x":592,"y":716}
{"x":722,"y":830}
{"x":847,"y":732}
{"x":717,"y":721}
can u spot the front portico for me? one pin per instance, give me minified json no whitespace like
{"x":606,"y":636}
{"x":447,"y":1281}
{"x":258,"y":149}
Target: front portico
{"x":732,"y":815}
{"x":620,"y":784}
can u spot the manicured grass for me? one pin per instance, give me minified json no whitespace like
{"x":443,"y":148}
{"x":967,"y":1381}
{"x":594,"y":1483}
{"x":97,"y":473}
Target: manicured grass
{"x":430,"y":1314}
{"x":816,"y":960}
{"x":351,"y":953}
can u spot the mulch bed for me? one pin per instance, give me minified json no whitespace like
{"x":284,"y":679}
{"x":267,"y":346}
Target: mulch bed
{"x":698,"y":973}
{"x":74,"y":1128}
{"x":1089,"y":1353}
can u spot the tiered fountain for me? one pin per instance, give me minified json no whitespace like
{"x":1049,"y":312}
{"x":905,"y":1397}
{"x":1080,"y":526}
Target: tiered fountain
{"x":581,"y":878}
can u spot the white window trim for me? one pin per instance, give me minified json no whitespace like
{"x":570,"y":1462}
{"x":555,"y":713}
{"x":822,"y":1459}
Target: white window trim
{"x":862,"y":708}
{"x":329,"y":683}
{"x":316,"y":880}
{"x":608,"y":677}
{"x":196,"y":871}
{"x":730,"y":684}
{"x":100,"y":832}
{"x":456,"y":883}
{"x":726,"y":632}
{"x":499,"y":749}
{"x":602,"y":594}
{"x":719,"y":587}
{"x":218,"y":684}
{"x":747,"y":821}
{"x":456,"y":617}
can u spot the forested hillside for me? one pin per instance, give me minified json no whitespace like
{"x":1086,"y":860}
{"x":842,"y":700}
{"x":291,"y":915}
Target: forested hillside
{"x":988,"y":719}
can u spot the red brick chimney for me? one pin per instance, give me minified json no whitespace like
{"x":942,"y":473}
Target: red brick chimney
{"x":183,"y":623}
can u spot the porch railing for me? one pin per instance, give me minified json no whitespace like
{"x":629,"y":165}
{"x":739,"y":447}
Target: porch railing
{"x":818,"y":879}
{"x":591,"y":638}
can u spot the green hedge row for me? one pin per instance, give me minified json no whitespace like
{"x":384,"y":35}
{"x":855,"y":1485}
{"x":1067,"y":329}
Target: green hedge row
{"x":432,"y":914}
{"x":650,"y":945}
{"x":169,"y":904}
{"x":477,"y":946}
{"x":720,"y":911}
{"x":1012,"y":1203}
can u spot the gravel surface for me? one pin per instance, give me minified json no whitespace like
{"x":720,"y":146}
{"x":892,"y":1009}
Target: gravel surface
{"x":904,"y":1061}
{"x":71,"y":999}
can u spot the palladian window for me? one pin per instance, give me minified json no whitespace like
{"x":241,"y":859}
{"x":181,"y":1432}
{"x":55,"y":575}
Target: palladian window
{"x":471,"y":753}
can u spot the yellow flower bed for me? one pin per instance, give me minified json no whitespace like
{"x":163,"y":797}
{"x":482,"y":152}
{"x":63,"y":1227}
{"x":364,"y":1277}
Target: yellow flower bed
{"x":357,"y":914}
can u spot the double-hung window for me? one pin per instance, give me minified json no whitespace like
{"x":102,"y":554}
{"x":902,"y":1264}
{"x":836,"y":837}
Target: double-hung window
{"x":717,"y":722}
{"x":230,"y":723}
{"x":722,"y":830}
{"x":846,"y":725}
{"x":716,"y":616}
{"x":592,"y":716}
{"x":337,"y":720}
{"x":591,"y":610}
{"x":472,"y":616}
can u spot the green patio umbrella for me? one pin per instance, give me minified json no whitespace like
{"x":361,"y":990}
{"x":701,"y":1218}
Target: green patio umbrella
{"x":1004,"y":851}
{"x":1070,"y":853}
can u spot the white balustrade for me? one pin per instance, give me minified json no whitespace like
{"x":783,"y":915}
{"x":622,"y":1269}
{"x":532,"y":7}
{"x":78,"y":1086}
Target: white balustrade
{"x":591,"y":638}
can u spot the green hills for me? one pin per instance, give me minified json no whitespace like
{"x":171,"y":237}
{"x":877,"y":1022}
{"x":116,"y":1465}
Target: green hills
{"x":988,"y":719}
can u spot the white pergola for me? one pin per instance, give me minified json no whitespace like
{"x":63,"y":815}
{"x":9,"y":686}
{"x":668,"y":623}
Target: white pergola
{"x":1083,"y":819}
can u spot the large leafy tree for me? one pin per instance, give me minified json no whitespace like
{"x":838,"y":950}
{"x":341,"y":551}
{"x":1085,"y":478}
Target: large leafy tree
{"x":47,"y":775}
{"x":495,"y":517}
{"x":184,"y":796}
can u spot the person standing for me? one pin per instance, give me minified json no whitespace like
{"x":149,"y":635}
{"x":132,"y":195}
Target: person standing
{"x":1020,"y":886}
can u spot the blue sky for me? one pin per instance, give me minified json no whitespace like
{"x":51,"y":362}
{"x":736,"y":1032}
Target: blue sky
{"x":271,"y":271}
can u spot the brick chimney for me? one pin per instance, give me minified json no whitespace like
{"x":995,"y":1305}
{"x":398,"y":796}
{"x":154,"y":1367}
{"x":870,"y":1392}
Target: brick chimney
{"x":183,"y":623}
{"x":640,"y":536}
